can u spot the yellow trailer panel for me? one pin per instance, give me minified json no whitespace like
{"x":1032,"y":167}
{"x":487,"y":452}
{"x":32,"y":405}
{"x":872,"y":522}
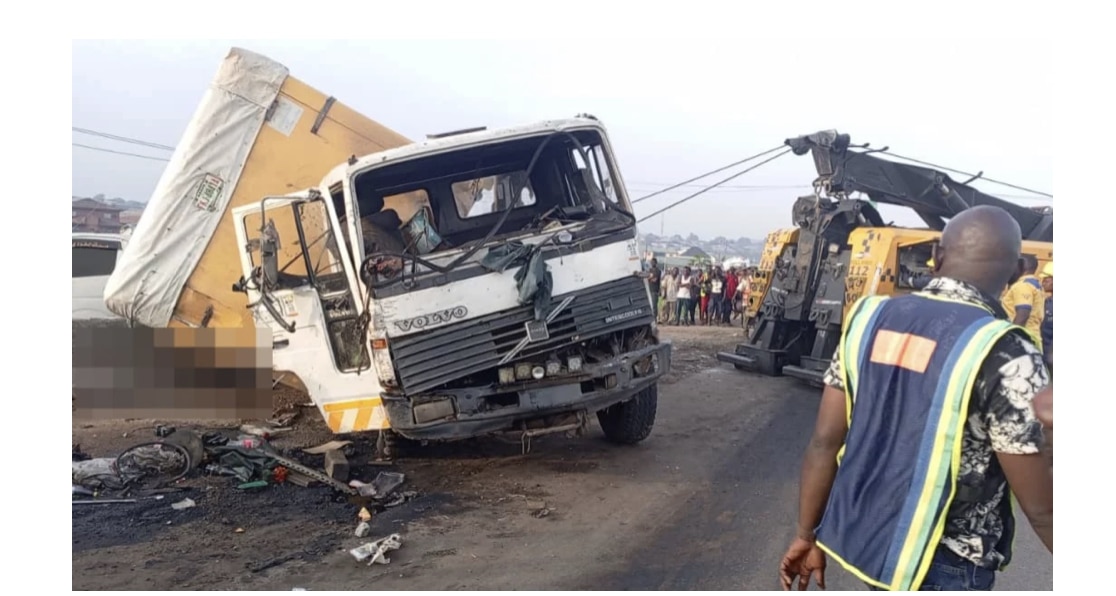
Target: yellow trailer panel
{"x":257,"y":132}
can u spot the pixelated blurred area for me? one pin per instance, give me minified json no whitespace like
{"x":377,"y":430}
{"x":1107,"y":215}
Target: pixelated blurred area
{"x":121,"y":372}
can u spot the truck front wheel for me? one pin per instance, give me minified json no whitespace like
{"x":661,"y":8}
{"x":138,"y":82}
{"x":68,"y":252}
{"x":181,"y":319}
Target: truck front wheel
{"x":630,"y":422}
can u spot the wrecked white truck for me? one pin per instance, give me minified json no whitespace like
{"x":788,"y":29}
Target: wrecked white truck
{"x":473,"y":283}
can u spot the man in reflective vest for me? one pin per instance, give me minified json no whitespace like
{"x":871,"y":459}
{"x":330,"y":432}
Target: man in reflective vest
{"x":925,"y":426}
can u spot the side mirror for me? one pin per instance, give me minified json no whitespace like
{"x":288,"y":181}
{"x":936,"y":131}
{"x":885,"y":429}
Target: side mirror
{"x":269,"y":254}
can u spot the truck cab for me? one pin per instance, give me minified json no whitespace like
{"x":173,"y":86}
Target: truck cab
{"x":472,"y":283}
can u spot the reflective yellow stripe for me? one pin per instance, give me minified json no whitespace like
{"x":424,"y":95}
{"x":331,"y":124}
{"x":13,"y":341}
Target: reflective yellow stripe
{"x":356,"y":415}
{"x":852,"y":337}
{"x":852,"y":568}
{"x":854,"y":330}
{"x":917,"y":552}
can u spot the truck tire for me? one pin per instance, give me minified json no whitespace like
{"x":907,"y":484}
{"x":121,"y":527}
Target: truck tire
{"x":630,"y":422}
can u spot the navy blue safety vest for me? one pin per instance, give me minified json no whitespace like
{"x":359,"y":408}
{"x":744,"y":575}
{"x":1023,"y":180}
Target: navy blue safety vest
{"x":910,"y":366}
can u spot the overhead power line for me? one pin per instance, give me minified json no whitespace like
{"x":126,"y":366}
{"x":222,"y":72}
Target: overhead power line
{"x":660,"y":185}
{"x":684,"y":183}
{"x":102,"y":149}
{"x":715,"y":185}
{"x":707,"y":174}
{"x":105,"y":135}
{"x":956,"y":171}
{"x":739,"y":188}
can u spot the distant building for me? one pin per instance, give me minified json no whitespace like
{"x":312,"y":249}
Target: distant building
{"x":94,"y":216}
{"x":130,"y":217}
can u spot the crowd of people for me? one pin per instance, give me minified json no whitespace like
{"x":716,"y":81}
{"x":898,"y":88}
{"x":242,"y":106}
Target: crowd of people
{"x":699,"y":296}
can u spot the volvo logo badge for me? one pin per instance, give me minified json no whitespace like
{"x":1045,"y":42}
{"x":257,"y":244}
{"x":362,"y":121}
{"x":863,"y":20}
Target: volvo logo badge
{"x":434,"y":318}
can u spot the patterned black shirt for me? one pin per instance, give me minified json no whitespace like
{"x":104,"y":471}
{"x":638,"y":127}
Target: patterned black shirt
{"x":1001,"y":420}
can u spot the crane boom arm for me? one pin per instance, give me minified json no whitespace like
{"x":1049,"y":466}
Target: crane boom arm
{"x":933,"y":195}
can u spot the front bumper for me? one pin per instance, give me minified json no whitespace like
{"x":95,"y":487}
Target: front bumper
{"x":477,"y":411}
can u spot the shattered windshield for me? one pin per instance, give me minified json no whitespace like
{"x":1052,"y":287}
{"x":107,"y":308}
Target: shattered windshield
{"x":485,"y":192}
{"x":492,"y":194}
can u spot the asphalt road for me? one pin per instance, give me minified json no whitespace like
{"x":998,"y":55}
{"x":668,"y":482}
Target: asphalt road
{"x":731,"y":534}
{"x":708,"y":502}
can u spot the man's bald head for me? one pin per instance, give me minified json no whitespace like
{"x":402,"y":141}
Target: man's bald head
{"x":980,"y":246}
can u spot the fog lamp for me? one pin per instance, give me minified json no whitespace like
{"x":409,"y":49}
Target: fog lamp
{"x":553,"y":367}
{"x":522,"y":371}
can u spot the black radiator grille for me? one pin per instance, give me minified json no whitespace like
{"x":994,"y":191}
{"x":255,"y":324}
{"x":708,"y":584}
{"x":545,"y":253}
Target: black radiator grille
{"x":432,"y":359}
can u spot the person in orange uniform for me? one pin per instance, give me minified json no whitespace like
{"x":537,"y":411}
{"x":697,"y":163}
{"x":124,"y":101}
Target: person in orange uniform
{"x":1024,"y":300}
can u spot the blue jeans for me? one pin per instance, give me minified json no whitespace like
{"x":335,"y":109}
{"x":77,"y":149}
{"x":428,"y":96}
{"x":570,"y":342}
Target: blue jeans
{"x":949,"y":572}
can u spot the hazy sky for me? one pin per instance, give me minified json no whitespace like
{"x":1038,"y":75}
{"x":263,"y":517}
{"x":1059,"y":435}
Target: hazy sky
{"x":673,"y":110}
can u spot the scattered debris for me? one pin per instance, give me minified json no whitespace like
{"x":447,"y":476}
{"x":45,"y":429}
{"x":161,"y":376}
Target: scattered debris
{"x":96,"y":473}
{"x":252,"y":485}
{"x":381,"y":487}
{"x":337,"y":465}
{"x":401,"y":498}
{"x":300,"y":479}
{"x":183,"y":504}
{"x":362,"y":529}
{"x":326,"y":447}
{"x":284,"y":419}
{"x":374,"y":552}
{"x":261,"y":431}
{"x":364,"y":515}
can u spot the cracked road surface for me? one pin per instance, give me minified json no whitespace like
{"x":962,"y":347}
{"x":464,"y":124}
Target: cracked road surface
{"x":707,"y":503}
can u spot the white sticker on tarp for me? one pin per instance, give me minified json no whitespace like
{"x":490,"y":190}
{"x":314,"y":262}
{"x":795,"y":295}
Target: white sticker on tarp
{"x":207,"y":192}
{"x":284,"y":116}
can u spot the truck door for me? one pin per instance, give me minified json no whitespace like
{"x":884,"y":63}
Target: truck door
{"x":301,"y":287}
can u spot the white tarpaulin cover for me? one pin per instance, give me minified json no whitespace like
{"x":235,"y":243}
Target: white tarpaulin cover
{"x":194,"y":191}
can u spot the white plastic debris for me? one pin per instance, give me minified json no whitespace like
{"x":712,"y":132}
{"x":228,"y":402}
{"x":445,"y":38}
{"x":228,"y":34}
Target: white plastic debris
{"x":183,"y":504}
{"x":374,"y":552}
{"x":381,"y":487}
{"x":363,"y":529}
{"x":94,"y":473}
